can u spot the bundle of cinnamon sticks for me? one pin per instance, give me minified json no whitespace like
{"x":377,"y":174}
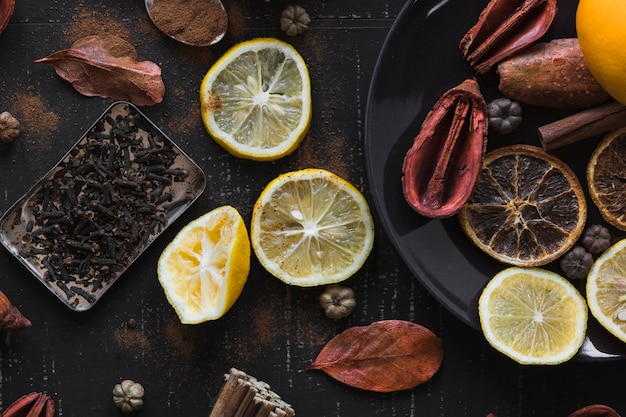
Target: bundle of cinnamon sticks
{"x":243,"y":395}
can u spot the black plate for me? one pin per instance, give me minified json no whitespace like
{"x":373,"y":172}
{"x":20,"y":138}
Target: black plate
{"x":419,"y":61}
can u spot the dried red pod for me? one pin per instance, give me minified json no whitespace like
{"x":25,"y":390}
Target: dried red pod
{"x":551,"y":74}
{"x":441,"y":168}
{"x":6,"y":11}
{"x":10,"y":316}
{"x":35,"y":404}
{"x":595,"y":410}
{"x":505,"y":27}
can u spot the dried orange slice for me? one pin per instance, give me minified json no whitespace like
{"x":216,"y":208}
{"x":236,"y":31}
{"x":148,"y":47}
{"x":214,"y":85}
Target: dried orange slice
{"x":606,"y":176}
{"x":527,"y":207}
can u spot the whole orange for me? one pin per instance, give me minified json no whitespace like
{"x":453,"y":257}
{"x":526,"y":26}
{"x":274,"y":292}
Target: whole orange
{"x":601,"y":31}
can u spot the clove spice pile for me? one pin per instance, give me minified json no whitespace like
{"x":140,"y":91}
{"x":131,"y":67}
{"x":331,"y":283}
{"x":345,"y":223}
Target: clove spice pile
{"x":244,"y":395}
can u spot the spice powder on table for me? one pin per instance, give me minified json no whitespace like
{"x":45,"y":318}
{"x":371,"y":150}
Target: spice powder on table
{"x":195,"y":22}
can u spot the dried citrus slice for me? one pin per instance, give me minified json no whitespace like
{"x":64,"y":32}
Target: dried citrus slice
{"x":606,"y":176}
{"x":204,"y":269}
{"x":311,"y":227}
{"x":527,"y":207}
{"x":533,"y":316}
{"x":606,"y":289}
{"x":256,"y":99}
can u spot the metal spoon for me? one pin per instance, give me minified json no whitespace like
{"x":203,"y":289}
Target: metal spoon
{"x":181,"y":34}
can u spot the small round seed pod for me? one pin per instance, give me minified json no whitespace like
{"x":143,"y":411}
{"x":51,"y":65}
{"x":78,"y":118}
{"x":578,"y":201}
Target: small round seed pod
{"x":294,"y":20}
{"x":128,"y":396}
{"x":596,"y":239}
{"x":9,"y":127}
{"x":337,"y":301}
{"x":504,"y":115}
{"x":576,"y":263}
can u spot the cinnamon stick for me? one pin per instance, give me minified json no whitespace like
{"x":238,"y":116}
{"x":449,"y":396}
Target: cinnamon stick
{"x":583,"y":125}
{"x":243,"y":395}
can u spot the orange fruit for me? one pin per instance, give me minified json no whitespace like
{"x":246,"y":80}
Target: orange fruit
{"x":601,"y":32}
{"x":527,"y":207}
{"x":606,"y":172}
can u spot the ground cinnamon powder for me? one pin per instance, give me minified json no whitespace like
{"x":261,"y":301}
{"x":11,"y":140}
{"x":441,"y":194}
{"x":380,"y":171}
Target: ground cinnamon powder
{"x":196,"y":22}
{"x":37,"y":120}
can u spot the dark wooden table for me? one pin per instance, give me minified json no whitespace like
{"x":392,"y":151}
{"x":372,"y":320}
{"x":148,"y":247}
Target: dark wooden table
{"x":274,"y":331}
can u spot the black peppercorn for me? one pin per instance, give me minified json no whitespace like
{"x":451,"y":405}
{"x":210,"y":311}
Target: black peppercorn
{"x":504,"y":115}
{"x":576,"y":263}
{"x":596,"y":239}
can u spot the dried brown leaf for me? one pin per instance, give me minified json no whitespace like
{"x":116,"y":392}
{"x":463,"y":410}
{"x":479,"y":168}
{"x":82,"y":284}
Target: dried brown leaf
{"x":386,"y":356}
{"x":107,"y":66}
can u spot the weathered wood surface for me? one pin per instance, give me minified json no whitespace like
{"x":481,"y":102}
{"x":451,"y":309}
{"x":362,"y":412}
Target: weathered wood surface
{"x":274,"y":331}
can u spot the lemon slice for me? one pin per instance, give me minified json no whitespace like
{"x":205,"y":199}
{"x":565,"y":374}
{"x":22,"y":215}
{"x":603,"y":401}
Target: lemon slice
{"x":533,"y":316}
{"x":256,"y":99}
{"x":606,"y":289}
{"x":311,"y":227}
{"x":204,"y":269}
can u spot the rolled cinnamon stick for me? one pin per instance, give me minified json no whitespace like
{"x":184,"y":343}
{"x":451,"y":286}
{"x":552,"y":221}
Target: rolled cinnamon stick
{"x":583,"y":125}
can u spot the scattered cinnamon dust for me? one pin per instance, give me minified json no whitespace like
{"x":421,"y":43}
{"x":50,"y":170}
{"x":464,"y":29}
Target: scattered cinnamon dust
{"x":131,"y":339}
{"x":35,"y":117}
{"x":181,"y":342}
{"x":236,"y":20}
{"x":264,"y":329}
{"x":92,"y":22}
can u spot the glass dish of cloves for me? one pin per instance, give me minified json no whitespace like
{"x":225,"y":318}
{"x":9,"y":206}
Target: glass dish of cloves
{"x":96,"y":211}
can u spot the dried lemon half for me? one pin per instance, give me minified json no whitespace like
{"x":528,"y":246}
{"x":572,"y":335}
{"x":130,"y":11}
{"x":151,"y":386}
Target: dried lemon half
{"x":532,"y":315}
{"x":527,"y":207}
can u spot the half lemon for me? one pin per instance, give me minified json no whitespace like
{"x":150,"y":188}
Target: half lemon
{"x":204,"y":269}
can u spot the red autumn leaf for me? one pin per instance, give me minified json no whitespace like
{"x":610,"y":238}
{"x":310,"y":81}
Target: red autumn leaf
{"x":386,"y":356}
{"x":107,"y":66}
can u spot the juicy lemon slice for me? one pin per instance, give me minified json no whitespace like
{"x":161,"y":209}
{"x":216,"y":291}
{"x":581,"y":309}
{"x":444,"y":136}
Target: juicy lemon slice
{"x":311,"y":227}
{"x":605,"y":176}
{"x":532,"y":315}
{"x":606,"y":289}
{"x":256,"y":99}
{"x":204,"y":269}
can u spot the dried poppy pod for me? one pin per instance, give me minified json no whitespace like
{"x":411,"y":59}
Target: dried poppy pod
{"x":441,"y":168}
{"x":505,"y":27}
